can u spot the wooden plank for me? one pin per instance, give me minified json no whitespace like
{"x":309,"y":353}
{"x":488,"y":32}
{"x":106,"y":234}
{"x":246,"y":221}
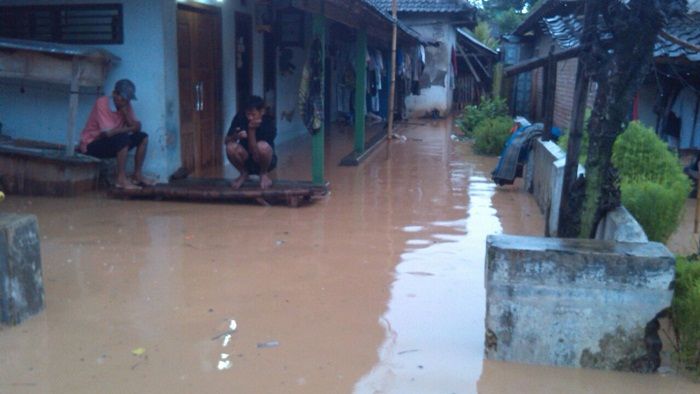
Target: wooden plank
{"x":550,"y":86}
{"x":354,"y":158}
{"x":291,"y":193}
{"x":537,"y":62}
{"x":360,"y":86}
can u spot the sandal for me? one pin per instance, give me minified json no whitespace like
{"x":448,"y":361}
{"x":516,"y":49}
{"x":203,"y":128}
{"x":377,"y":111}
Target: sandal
{"x":143,"y":182}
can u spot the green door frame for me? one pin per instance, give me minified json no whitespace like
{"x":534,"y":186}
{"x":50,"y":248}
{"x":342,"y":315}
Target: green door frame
{"x":360,"y":89}
{"x":318,"y":139}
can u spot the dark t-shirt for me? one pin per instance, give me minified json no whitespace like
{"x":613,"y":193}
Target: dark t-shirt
{"x":266,"y":132}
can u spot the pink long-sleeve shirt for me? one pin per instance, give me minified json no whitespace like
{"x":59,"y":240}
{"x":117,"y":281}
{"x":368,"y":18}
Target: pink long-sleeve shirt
{"x":103,"y":118}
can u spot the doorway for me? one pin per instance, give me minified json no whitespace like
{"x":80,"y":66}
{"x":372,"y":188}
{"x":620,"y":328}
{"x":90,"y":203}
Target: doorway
{"x":244,"y":58}
{"x":199,"y":74}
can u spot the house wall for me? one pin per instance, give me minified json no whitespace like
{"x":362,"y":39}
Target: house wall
{"x":41,"y":111}
{"x":149,"y":58}
{"x":564,"y":95}
{"x":436,"y":90}
{"x":647,"y":99}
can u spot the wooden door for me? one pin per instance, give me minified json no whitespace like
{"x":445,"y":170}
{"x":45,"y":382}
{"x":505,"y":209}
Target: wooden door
{"x":199,"y":74}
{"x":244,"y":58}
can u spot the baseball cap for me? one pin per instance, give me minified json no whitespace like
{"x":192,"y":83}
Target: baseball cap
{"x":126,"y":89}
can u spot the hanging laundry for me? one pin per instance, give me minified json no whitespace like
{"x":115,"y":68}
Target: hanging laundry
{"x":686,"y":108}
{"x":310,"y":89}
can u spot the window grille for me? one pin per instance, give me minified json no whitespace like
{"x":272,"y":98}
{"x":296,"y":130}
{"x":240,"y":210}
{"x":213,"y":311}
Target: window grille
{"x":70,"y":24}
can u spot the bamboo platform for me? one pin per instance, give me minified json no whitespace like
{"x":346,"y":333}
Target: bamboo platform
{"x":290,"y":193}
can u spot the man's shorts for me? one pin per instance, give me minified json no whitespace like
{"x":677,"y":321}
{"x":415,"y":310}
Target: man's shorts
{"x":105,"y":148}
{"x":253,"y":167}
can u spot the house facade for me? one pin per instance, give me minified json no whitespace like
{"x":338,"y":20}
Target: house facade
{"x":436,"y":22}
{"x":667,"y":101}
{"x":194,"y":62}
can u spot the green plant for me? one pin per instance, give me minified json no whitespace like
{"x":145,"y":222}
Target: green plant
{"x":491,"y":135}
{"x":653,"y":185}
{"x":685,"y":312}
{"x":472,"y":115}
{"x":482,"y":32}
{"x":655,"y":206}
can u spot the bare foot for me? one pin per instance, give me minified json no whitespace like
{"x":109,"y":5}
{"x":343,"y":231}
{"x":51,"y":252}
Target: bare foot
{"x":265,"y":181}
{"x":238,"y":182}
{"x":126,"y":184}
{"x":142,"y":180}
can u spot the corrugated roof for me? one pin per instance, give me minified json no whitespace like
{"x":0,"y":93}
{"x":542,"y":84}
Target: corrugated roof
{"x":688,"y":30}
{"x":566,"y":30}
{"x":446,"y":6}
{"x":475,"y":42}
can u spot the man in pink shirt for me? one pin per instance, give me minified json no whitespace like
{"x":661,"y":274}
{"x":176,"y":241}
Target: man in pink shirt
{"x":113,"y":131}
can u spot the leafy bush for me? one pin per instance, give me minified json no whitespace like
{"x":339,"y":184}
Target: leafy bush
{"x":685,"y":311}
{"x":655,"y":206}
{"x":491,"y":135}
{"x":472,"y":115}
{"x":653,"y":185}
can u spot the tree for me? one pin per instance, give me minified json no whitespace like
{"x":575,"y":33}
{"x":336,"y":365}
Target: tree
{"x":618,"y":65}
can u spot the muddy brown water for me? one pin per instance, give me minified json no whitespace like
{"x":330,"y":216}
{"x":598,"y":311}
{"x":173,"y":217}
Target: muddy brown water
{"x":376,"y":289}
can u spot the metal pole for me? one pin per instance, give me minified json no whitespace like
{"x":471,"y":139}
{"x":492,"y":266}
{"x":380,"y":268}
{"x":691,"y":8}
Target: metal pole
{"x":392,"y":86}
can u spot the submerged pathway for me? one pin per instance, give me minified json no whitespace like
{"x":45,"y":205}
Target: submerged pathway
{"x":378,"y":288}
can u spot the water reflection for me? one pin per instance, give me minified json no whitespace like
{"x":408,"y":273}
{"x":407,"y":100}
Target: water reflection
{"x":434,"y":322}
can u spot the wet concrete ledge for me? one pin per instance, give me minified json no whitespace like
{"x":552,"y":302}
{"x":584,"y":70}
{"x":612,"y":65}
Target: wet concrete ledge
{"x":576,"y":302}
{"x":21,"y":283}
{"x":354,"y":158}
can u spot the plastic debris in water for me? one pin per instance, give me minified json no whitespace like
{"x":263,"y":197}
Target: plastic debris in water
{"x":139,"y":351}
{"x":224,"y":362}
{"x":268,"y":344}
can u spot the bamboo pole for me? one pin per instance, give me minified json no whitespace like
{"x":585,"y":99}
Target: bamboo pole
{"x":392,"y":86}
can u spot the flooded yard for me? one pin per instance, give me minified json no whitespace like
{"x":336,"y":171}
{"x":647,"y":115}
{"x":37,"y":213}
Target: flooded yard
{"x":376,"y":289}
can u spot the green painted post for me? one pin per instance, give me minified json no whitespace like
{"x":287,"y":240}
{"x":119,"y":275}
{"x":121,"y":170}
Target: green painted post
{"x":360,"y":89}
{"x":317,"y":141}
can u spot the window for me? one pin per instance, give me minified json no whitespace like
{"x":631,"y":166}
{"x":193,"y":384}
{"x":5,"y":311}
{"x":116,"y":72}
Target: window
{"x":71,"y":24}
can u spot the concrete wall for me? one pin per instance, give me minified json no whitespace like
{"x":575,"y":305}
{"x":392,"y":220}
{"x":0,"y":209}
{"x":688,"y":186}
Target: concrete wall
{"x":547,"y":161}
{"x":436,"y":90}
{"x":574,"y":302}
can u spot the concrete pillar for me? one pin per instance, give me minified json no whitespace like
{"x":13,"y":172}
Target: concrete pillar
{"x":21,"y":284}
{"x":576,"y":302}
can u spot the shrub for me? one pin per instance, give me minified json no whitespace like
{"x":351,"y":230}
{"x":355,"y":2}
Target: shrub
{"x":491,"y":135}
{"x":655,"y":206}
{"x":685,"y":312}
{"x":654,"y":187}
{"x":472,"y":115}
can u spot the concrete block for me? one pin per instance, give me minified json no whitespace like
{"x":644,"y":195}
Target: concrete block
{"x":619,"y":225}
{"x":544,"y":153}
{"x":21,"y":284}
{"x":575,"y":302}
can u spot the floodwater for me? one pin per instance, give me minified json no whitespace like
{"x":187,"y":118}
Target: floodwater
{"x":378,"y":288}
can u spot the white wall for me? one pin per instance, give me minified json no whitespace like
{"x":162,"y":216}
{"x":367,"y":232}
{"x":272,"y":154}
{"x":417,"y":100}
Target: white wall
{"x":439,"y":95}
